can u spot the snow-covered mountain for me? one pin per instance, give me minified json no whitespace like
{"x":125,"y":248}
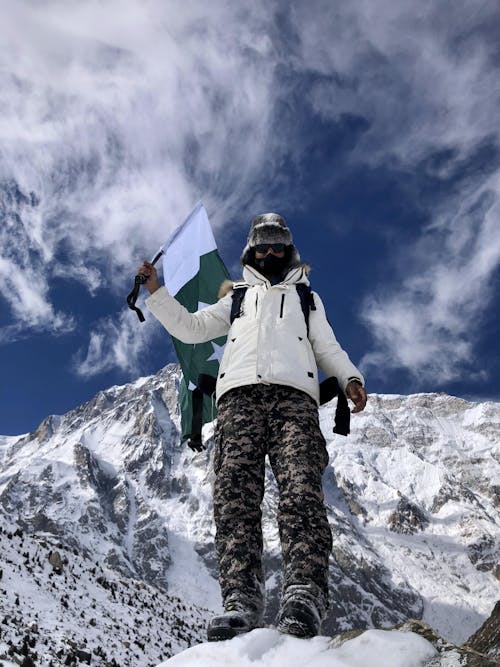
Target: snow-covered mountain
{"x":413,"y":497}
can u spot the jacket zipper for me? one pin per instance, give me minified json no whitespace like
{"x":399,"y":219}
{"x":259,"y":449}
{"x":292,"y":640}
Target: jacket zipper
{"x":282,"y":304}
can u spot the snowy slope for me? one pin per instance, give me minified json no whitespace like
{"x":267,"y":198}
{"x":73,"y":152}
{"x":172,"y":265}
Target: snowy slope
{"x":427,"y":467}
{"x":84,"y":611}
{"x":412,"y":496}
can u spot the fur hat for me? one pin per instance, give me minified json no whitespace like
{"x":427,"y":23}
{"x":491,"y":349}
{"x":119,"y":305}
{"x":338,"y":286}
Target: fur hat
{"x":269,"y":228}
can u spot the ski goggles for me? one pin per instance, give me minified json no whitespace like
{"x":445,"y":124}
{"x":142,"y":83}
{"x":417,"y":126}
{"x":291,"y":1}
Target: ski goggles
{"x":275,"y":247}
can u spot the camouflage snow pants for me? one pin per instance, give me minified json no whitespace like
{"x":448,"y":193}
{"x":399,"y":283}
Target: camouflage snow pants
{"x":283,"y":423}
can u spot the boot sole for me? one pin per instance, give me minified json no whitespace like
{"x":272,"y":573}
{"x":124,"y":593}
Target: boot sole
{"x":298,"y":621}
{"x":222,"y":634}
{"x":296,"y":629}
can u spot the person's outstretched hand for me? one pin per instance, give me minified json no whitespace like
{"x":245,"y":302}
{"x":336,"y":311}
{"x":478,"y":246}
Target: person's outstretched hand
{"x":152,"y":283}
{"x":358,"y":396}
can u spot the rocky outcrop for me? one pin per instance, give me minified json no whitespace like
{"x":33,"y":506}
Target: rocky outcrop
{"x":486,"y":640}
{"x":56,"y":561}
{"x":408,"y":518}
{"x":481,"y":650}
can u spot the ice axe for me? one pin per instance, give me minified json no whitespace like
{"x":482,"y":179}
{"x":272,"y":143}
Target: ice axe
{"x":138,"y":281}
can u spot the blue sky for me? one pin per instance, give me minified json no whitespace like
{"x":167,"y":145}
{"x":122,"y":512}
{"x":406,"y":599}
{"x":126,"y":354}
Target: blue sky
{"x":372,"y":127}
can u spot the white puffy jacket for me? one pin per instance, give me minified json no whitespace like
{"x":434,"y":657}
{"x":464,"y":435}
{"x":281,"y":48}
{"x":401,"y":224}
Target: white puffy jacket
{"x":268,"y":343}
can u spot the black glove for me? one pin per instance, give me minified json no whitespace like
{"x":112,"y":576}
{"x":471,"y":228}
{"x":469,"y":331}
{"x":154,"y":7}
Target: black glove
{"x":196,"y":444}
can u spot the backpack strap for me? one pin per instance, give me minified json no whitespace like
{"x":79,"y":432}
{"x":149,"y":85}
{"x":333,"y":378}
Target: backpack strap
{"x":237,"y":303}
{"x":305,"y":295}
{"x":306,"y":301}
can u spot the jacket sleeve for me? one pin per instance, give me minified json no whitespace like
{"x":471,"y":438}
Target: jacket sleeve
{"x":330,"y":357}
{"x":206,"y":324}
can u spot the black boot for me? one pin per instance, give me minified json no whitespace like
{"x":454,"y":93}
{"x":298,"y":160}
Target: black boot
{"x":239,"y":617}
{"x":301,"y":612}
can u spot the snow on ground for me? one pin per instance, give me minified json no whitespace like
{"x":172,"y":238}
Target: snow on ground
{"x":269,"y":648}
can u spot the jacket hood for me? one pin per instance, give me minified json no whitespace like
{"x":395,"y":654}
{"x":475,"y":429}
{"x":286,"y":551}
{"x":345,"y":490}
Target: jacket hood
{"x":296,"y":274}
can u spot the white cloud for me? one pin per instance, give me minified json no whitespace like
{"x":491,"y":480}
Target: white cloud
{"x":423,"y":76}
{"x":428,"y":319}
{"x":118,"y":116}
{"x":114,"y":343}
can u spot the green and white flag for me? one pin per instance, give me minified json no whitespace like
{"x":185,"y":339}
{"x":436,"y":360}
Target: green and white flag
{"x":193,"y":272}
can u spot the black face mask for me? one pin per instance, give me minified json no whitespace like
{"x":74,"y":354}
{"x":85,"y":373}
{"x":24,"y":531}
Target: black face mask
{"x":271,"y":266}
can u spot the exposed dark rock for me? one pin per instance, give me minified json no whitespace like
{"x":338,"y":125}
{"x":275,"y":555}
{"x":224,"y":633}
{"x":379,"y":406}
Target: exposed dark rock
{"x":407,"y":518}
{"x":448,"y":653}
{"x":180,"y":485}
{"x":483,"y":553}
{"x":487,"y":638}
{"x":56,"y":561}
{"x":46,"y":429}
{"x":363,"y":591}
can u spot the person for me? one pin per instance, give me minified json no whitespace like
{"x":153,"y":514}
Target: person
{"x":267,"y":397}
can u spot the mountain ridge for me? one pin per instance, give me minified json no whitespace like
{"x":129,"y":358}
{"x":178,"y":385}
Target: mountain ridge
{"x":412,"y":497}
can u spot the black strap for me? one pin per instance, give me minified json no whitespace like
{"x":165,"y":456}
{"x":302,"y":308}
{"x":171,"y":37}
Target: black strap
{"x":206,"y":387}
{"x":207,"y":384}
{"x":328,"y":389}
{"x":342,"y":416}
{"x":138,"y":281}
{"x":237,"y":302}
{"x":194,"y":441}
{"x":306,"y":301}
{"x":132,"y":297}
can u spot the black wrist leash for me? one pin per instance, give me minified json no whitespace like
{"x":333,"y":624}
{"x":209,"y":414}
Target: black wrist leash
{"x":134,"y":294}
{"x":132,"y":297}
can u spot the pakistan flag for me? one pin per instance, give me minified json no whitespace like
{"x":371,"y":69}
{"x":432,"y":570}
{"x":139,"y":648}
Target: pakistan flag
{"x":193,"y":273}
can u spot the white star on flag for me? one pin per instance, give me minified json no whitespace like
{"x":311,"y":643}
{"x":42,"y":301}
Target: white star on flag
{"x":218,"y":352}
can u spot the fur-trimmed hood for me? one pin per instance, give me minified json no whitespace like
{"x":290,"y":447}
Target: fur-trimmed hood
{"x":251,"y":276}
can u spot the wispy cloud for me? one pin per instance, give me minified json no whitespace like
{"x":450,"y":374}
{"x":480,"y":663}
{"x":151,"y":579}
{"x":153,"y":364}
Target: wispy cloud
{"x":118,"y":116}
{"x":425,"y":80}
{"x":428,"y":319}
{"x":22,"y":267}
{"x":115,"y":343}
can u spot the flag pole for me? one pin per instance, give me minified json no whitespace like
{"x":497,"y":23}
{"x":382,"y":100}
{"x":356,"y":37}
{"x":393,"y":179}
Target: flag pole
{"x":138,"y":281}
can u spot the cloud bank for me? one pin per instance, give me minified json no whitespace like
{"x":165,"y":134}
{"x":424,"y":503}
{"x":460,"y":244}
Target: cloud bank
{"x":117,"y":117}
